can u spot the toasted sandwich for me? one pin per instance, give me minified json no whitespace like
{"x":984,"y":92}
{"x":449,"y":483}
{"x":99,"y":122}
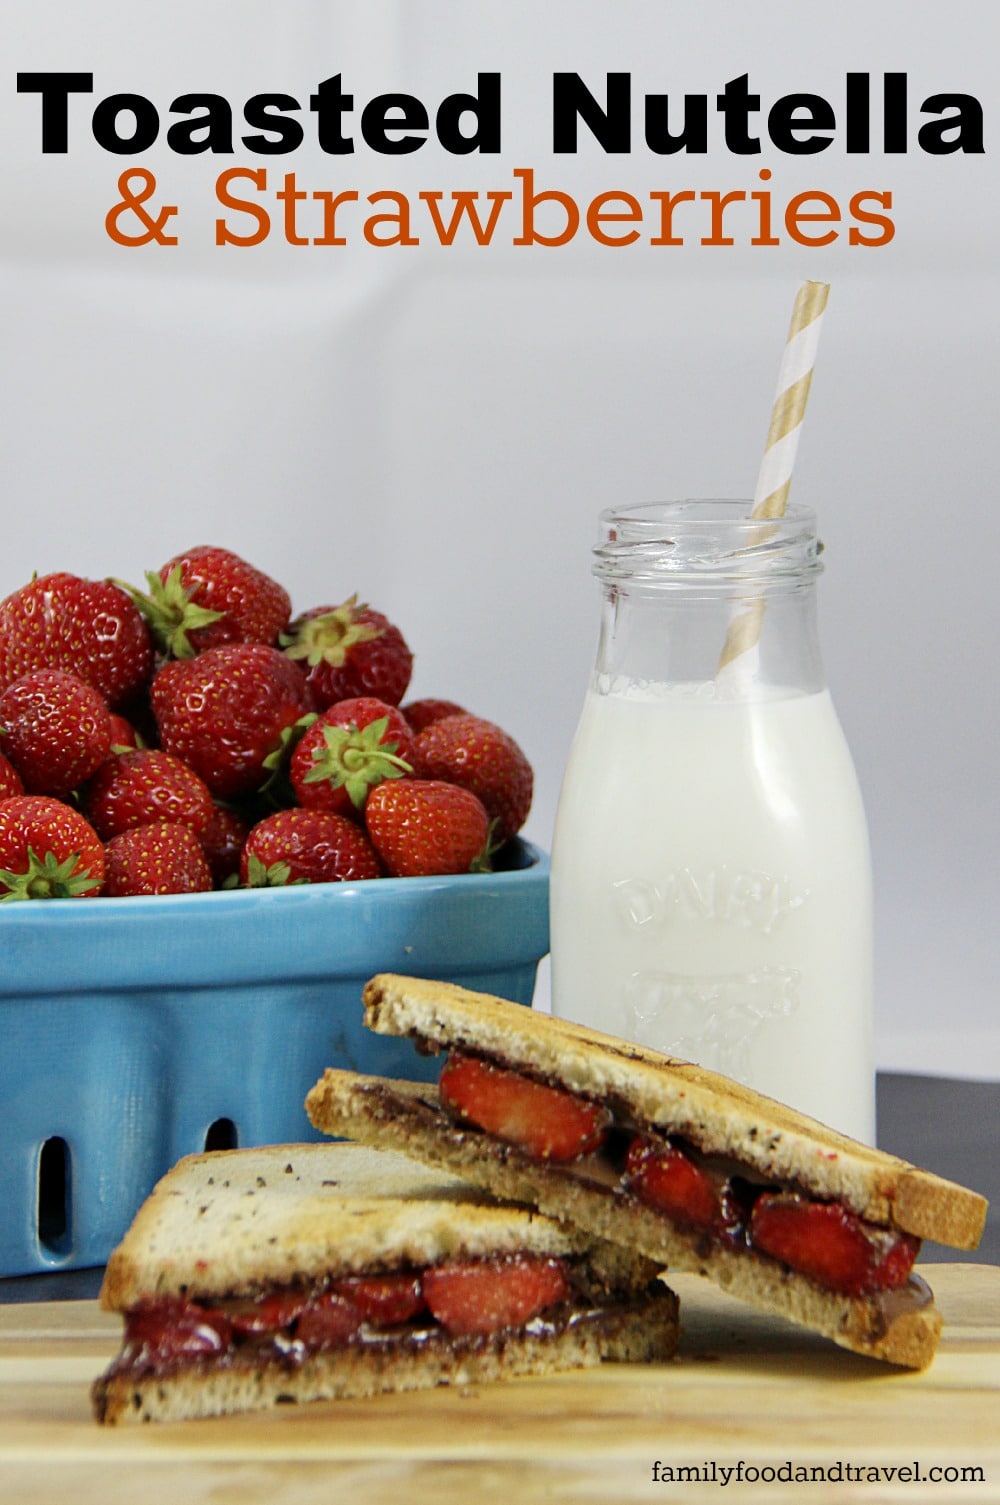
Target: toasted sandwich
{"x":307,"y":1272}
{"x":678,"y":1163}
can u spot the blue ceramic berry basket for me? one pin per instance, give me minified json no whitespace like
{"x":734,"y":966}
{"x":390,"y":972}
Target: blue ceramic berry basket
{"x":135,"y":1031}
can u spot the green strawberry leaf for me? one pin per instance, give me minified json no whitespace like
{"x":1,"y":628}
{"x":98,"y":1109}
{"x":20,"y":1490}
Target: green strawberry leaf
{"x":356,"y":759}
{"x":48,"y":878}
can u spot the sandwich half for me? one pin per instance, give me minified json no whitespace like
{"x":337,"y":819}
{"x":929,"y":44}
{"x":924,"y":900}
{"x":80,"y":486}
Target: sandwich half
{"x":307,"y":1272}
{"x":664,"y":1157}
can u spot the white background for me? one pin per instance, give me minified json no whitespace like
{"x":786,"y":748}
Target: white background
{"x":437,"y":429}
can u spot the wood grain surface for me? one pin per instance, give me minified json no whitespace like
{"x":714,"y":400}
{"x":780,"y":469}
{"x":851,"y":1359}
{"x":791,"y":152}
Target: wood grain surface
{"x":743,"y":1387}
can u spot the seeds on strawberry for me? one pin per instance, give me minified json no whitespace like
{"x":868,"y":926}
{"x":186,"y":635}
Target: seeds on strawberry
{"x":140,"y":787}
{"x":208,"y":596}
{"x":350,"y":650}
{"x":423,"y":827}
{"x":222,"y":841}
{"x":224,"y":711}
{"x":306,"y":846}
{"x":163,"y":858}
{"x":548,"y":1123}
{"x":482,"y":757}
{"x":55,"y":728}
{"x":10,"y":779}
{"x":350,"y":748}
{"x":86,"y":627}
{"x":484,"y":1297}
{"x":664,"y":1177}
{"x":48,"y":850}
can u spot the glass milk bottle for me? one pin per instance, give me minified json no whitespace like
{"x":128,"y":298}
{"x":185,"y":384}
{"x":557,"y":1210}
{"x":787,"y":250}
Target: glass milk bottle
{"x":711,"y":881}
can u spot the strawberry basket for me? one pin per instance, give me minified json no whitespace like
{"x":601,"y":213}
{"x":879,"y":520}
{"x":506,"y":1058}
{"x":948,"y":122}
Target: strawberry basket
{"x":135,"y":1031}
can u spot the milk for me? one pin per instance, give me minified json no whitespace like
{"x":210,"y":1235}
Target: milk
{"x":711,"y":888}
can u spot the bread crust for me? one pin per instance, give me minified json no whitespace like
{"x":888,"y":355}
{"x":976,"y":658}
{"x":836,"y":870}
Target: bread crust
{"x":643,"y":1333}
{"x":408,"y":1116}
{"x":716,"y":1114}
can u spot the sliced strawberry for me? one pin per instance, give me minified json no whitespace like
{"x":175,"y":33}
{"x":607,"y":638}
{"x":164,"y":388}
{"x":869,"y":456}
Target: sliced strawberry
{"x":829,"y":1243}
{"x":171,"y":1329}
{"x":664,"y":1177}
{"x":893,"y":1268}
{"x":328,"y":1321}
{"x":547,"y":1122}
{"x":268,"y":1314}
{"x":484,"y":1297}
{"x":383,"y":1300}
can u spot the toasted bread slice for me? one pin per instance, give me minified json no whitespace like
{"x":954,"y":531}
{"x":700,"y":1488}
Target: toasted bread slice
{"x":740,"y":1137}
{"x":240,"y":1227}
{"x":896,"y":1327}
{"x":720,"y":1116}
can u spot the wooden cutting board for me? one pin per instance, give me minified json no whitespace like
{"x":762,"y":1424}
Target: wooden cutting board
{"x":744,"y":1387}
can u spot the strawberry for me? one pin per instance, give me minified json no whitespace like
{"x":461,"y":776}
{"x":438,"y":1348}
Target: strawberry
{"x":350,"y":650}
{"x":222,"y":841}
{"x":548,"y":1123}
{"x":830,"y":1244}
{"x":483,"y":1297}
{"x":422,"y":713}
{"x":350,"y":748}
{"x":144,"y":785}
{"x":55,"y":728}
{"x":47,"y":850}
{"x":171,"y":1328}
{"x":209,"y":596}
{"x":161,"y":858}
{"x":268,"y":1314}
{"x":123,"y":734}
{"x":328,"y":1321}
{"x":665,"y":1178}
{"x":421,"y":827}
{"x":86,"y":627}
{"x":306,"y":846}
{"x":10,"y":779}
{"x":383,"y":1300}
{"x":481,"y":757}
{"x":225,"y":710}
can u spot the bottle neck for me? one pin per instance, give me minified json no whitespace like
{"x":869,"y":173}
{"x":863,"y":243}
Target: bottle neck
{"x":700,"y":591}
{"x":673,"y":637}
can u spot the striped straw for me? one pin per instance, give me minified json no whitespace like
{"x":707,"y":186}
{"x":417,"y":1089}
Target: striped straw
{"x":775,"y":477}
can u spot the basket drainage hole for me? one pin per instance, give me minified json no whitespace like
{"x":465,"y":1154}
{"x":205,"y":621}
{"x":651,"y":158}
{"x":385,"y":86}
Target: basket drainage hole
{"x":54,"y":1196}
{"x":222,"y":1135}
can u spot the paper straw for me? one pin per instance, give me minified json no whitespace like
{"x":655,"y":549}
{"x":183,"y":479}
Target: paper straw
{"x":775,"y":477}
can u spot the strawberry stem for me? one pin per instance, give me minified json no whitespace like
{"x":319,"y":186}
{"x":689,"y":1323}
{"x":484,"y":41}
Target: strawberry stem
{"x":356,"y":759}
{"x":48,"y":878}
{"x":330,"y":637}
{"x":170,"y":612}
